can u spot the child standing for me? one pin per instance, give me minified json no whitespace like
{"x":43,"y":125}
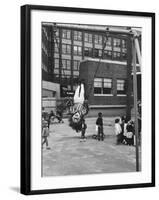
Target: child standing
{"x":99,"y":123}
{"x":83,"y":131}
{"x":45,"y":134}
{"x":118,"y":131}
{"x":130,"y":135}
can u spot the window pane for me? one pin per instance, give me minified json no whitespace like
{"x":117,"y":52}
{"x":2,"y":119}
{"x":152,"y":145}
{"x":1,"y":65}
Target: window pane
{"x":97,"y":90}
{"x":56,"y":63}
{"x":106,"y":90}
{"x":116,"y":42}
{"x":121,"y":87}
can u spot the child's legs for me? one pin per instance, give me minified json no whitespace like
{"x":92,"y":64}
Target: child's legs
{"x":99,"y":132}
{"x":83,"y":134}
{"x":44,"y":140}
{"x":118,"y":139}
{"x":102,"y":133}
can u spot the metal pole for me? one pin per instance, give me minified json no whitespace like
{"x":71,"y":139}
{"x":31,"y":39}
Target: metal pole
{"x":135,"y":105}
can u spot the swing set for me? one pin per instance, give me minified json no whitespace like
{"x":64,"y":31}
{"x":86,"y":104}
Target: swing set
{"x":79,"y":109}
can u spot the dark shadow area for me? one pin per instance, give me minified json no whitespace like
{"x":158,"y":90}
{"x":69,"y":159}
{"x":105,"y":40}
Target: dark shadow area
{"x":15,"y":189}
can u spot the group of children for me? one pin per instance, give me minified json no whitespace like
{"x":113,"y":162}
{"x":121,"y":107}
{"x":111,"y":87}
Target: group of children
{"x":124,"y":130}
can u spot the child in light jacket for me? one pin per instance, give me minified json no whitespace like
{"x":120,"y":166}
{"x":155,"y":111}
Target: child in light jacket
{"x":118,"y":131}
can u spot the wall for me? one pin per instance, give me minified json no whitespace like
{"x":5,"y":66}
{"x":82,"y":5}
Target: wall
{"x":91,"y":69}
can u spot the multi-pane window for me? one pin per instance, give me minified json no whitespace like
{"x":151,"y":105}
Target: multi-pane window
{"x":88,"y":51}
{"x":116,"y":42}
{"x":66,"y":34}
{"x":56,"y":63}
{"x":121,"y":89}
{"x":107,"y":54}
{"x":102,"y":86}
{"x":109,"y":41}
{"x":97,"y":53}
{"x":98,"y":39}
{"x":116,"y":55}
{"x":123,"y":43}
{"x":77,"y":50}
{"x":76,"y":65}
{"x":88,"y":37}
{"x":77,"y":35}
{"x":66,"y":64}
{"x":56,"y":48}
{"x":66,"y":48}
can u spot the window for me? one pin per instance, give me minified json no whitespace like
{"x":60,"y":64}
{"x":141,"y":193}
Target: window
{"x":97,"y":53}
{"x":56,"y":48}
{"x":123,"y":43}
{"x":56,"y":63}
{"x":102,"y":86}
{"x":98,"y":39}
{"x":116,"y":42}
{"x":98,"y":86}
{"x":108,"y":54}
{"x":66,"y":48}
{"x":88,"y":37}
{"x":77,"y":50}
{"x":116,"y":55}
{"x":109,"y":41}
{"x":77,"y":35}
{"x":66,"y":64}
{"x":76,"y":65}
{"x":66,"y":34}
{"x":107,"y":87}
{"x":121,"y":87}
{"x":88,"y":51}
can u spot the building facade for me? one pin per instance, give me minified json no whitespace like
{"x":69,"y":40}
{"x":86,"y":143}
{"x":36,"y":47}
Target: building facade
{"x":66,"y":47}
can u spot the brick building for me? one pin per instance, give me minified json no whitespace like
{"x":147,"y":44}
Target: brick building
{"x":70,"y":51}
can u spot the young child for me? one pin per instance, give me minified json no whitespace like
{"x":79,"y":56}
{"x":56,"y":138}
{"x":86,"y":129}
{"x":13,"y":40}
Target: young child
{"x":45,"y":134}
{"x":130,"y":135}
{"x":118,"y":131}
{"x":99,"y":123}
{"x":83,"y":130}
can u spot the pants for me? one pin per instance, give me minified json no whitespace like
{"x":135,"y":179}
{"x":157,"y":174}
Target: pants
{"x":83,"y":134}
{"x":100,"y":133}
{"x":119,"y":138}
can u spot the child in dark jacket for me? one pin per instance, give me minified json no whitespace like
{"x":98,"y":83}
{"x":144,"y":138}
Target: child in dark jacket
{"x":130,"y":133}
{"x":99,"y":123}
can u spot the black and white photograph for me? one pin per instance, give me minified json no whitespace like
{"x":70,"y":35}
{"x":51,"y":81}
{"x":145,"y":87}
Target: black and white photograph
{"x":88,"y":100}
{"x":87,"y":115}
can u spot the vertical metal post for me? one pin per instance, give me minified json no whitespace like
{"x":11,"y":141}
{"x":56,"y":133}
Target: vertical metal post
{"x":135,"y":105}
{"x":129,"y":77}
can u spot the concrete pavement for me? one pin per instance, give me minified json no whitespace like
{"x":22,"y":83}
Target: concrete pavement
{"x":69,"y":156}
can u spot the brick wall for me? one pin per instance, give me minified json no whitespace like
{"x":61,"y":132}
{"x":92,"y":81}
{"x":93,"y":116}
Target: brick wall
{"x":105,"y":70}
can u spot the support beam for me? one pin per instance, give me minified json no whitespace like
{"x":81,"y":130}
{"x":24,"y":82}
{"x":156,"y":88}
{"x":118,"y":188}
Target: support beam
{"x":135,"y":106}
{"x":129,"y":77}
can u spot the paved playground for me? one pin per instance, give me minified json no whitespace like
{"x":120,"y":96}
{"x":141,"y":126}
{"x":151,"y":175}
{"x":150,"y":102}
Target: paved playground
{"x":69,"y":156}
